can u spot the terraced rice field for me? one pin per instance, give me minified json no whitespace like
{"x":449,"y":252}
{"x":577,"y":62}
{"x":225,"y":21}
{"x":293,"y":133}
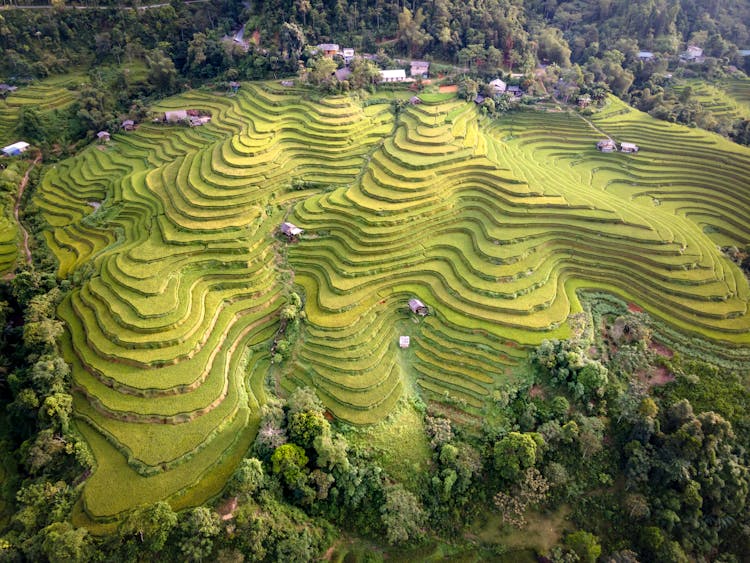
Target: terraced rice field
{"x":729,"y":99}
{"x":495,"y":225}
{"x":46,"y":95}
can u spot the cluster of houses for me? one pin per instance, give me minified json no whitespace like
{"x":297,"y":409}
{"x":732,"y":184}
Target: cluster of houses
{"x":105,"y":136}
{"x":190,"y":116}
{"x":500,"y":87}
{"x":608,"y":145}
{"x":417,"y":69}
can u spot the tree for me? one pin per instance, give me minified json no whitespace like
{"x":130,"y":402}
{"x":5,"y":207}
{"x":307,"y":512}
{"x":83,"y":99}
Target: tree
{"x":247,"y":478}
{"x":65,"y":544}
{"x":322,"y":71}
{"x":151,"y":524}
{"x":289,"y":461}
{"x":468,"y":89}
{"x":304,"y":427}
{"x":197,"y":530}
{"x":553,"y":47}
{"x":410,"y":32}
{"x":515,"y":453}
{"x":292,"y":40}
{"x":304,"y":399}
{"x":31,"y":125}
{"x":585,"y":545}
{"x":364,"y":73}
{"x":401,"y":515}
{"x":162,"y":74}
{"x":593,"y":379}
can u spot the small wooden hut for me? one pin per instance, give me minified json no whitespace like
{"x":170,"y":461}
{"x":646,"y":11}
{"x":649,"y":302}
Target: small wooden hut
{"x":418,"y":308}
{"x":290,"y":230}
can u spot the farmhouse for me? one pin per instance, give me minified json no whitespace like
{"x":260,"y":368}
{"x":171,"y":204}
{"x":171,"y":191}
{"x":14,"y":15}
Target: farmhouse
{"x":329,"y":49}
{"x":584,"y":101}
{"x":418,"y":307}
{"x":479,"y":99}
{"x":128,"y":125}
{"x":693,"y":54}
{"x":515,"y":90}
{"x":234,"y":85}
{"x":415,"y":100}
{"x":606,"y":145}
{"x":287,"y":83}
{"x":397,"y":75}
{"x":404,"y":341}
{"x":103,"y":136}
{"x":498,"y":86}
{"x":419,"y":69}
{"x":628,"y":147}
{"x":290,"y":230}
{"x":348,"y":54}
{"x":175,"y":116}
{"x":6,"y":88}
{"x":645,"y":55}
{"x":15,"y":149}
{"x":342,"y":74}
{"x":198,"y":120}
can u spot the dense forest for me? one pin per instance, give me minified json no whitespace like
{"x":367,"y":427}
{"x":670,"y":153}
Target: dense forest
{"x":654,"y":470}
{"x":587,"y":44}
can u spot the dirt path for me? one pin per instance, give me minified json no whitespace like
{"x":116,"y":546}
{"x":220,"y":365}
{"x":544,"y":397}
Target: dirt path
{"x":594,"y":127}
{"x":21,"y":189}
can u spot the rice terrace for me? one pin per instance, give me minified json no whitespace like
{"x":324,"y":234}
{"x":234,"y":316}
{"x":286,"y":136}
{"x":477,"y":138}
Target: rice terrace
{"x":501,"y":227}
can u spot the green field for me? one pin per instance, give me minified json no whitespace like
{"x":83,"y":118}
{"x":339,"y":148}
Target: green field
{"x":726,"y":99}
{"x":495,"y":224}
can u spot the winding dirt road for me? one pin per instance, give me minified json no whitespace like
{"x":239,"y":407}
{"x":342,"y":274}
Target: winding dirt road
{"x":21,"y":189}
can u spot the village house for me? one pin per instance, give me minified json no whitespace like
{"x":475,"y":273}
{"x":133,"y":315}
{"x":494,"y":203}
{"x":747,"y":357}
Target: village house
{"x":234,"y":85}
{"x":348,"y":54}
{"x":645,"y":55}
{"x":103,"y":136}
{"x":606,"y":145}
{"x":329,"y":49}
{"x":628,"y":147}
{"x":175,"y":116}
{"x":418,"y":308}
{"x":287,"y":83}
{"x":15,"y":149}
{"x":584,"y":101}
{"x":397,"y":75}
{"x":404,"y":341}
{"x":7,"y":89}
{"x":419,"y":69}
{"x":415,"y":100}
{"x":515,"y":91}
{"x":128,"y":125}
{"x":692,"y":54}
{"x":290,"y":230}
{"x":342,"y":74}
{"x":498,"y":86}
{"x":479,"y":100}
{"x":198,"y":120}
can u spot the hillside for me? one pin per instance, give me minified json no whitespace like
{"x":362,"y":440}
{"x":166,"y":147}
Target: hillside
{"x":499,"y":226}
